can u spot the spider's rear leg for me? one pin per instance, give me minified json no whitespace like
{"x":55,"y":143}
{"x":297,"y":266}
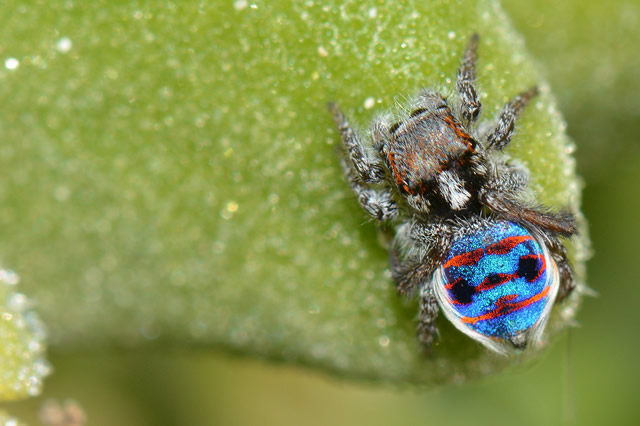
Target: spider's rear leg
{"x":429,"y":309}
{"x":567,"y":280}
{"x":417,"y":252}
{"x":551,"y":225}
{"x":556,"y":223}
{"x":465,"y":84}
{"x":412,"y":274}
{"x":501,"y":134}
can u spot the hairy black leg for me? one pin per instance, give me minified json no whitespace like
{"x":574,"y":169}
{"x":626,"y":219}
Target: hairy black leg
{"x":361,"y":169}
{"x":559,"y":223}
{"x":418,"y":250}
{"x":501,"y":135}
{"x":507,"y":179}
{"x":378,"y":204}
{"x":465,"y":84}
{"x":410,"y":274}
{"x":429,"y":309}
{"x":379,"y":134}
{"x":368,"y":168}
{"x":567,"y":280}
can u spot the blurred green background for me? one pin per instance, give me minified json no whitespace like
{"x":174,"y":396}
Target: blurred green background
{"x":588,"y":51}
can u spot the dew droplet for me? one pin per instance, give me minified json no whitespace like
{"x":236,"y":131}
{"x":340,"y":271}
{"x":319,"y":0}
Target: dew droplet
{"x":11,"y":63}
{"x":229,"y":209}
{"x":240,"y":4}
{"x":369,"y":102}
{"x":64,"y":45}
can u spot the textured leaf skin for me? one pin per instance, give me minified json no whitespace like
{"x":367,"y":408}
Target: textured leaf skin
{"x":171,"y":177}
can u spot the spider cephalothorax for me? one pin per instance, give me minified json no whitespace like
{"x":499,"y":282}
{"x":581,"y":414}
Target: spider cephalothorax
{"x":436,"y":164}
{"x":465,"y":239}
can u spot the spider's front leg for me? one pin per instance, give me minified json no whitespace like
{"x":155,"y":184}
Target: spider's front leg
{"x":362,"y":169}
{"x":417,"y":252}
{"x":368,"y":168}
{"x":465,"y":84}
{"x":501,"y":134}
{"x":379,"y":204}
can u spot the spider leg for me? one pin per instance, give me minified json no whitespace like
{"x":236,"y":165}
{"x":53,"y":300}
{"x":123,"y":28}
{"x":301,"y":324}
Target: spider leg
{"x":507,"y":182}
{"x":560,"y":223}
{"x":501,"y":134}
{"x":508,"y":179}
{"x":379,"y":133}
{"x":412,"y":274}
{"x":465,"y":84}
{"x":418,"y":250}
{"x":426,"y":245}
{"x":362,"y":169}
{"x":377,"y":203}
{"x":429,"y":310}
{"x":368,"y":168}
{"x":567,"y":280}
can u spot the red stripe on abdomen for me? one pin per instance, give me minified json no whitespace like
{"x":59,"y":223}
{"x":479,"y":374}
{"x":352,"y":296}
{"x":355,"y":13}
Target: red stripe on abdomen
{"x":469,"y":258}
{"x":505,"y":245}
{"x":504,"y":307}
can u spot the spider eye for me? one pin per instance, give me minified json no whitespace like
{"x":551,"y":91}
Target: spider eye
{"x":417,"y":112}
{"x":394,"y":127}
{"x":475,"y":112}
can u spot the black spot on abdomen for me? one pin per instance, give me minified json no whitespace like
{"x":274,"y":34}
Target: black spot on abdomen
{"x":528,"y":268}
{"x":462,"y":291}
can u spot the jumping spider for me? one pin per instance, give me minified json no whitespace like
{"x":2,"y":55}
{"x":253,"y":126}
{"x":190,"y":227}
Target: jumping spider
{"x":465,"y":240}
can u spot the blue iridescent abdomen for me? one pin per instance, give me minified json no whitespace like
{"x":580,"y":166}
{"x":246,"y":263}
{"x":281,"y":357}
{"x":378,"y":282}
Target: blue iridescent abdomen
{"x":497,"y":282}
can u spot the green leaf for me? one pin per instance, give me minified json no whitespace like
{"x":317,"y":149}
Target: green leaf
{"x":170,"y":174}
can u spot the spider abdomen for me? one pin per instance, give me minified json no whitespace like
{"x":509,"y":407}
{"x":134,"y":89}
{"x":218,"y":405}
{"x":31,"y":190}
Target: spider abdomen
{"x":497,"y":283}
